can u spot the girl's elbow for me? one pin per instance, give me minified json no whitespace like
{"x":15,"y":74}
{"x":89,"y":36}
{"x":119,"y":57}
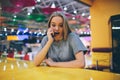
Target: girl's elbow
{"x":36,"y":63}
{"x":82,"y":65}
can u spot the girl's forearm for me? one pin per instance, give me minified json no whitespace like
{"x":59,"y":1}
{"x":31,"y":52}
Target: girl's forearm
{"x":42,"y":54}
{"x":70,"y":64}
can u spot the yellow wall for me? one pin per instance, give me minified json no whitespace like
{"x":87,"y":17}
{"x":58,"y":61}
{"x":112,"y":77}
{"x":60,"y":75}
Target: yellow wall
{"x":100,"y":12}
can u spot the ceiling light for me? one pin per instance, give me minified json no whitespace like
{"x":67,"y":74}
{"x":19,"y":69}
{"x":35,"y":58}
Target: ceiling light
{"x":65,"y":8}
{"x":75,"y":11}
{"x":38,"y":0}
{"x":89,"y":17}
{"x":83,"y":14}
{"x":5,"y":29}
{"x":33,"y":7}
{"x":15,"y":16}
{"x":73,"y":18}
{"x":12,"y":30}
{"x":28,"y":14}
{"x":53,"y":5}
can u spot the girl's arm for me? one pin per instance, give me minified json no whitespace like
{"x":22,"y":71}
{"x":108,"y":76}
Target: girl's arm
{"x":79,"y":62}
{"x":42,"y":54}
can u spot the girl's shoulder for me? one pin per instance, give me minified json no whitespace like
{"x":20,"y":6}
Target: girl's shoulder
{"x":72,"y":35}
{"x":45,"y":37}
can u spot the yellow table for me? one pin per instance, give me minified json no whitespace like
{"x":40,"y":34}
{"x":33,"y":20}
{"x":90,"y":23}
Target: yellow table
{"x":11,"y":69}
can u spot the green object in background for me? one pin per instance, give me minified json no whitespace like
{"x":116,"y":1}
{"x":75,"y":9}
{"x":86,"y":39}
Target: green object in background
{"x":37,"y":17}
{"x":21,"y":19}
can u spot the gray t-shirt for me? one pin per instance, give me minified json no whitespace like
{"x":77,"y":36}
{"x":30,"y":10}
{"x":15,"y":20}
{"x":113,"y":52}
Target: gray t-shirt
{"x":64,"y":50}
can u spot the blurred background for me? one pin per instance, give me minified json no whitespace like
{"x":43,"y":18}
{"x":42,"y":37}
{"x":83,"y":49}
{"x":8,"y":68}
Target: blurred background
{"x":25,"y":21}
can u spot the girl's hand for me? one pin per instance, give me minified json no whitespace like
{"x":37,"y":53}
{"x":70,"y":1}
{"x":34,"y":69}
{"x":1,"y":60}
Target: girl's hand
{"x":49,"y":34}
{"x":49,"y":62}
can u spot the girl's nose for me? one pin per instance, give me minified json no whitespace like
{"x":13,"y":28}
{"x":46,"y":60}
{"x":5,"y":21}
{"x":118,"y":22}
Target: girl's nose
{"x":56,"y":28}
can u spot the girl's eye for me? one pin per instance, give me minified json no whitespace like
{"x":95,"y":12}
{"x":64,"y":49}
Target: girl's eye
{"x":53,"y":25}
{"x":61,"y":25}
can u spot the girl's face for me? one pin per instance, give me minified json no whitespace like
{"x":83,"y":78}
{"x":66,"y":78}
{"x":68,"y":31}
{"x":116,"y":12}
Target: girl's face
{"x":57,"y":27}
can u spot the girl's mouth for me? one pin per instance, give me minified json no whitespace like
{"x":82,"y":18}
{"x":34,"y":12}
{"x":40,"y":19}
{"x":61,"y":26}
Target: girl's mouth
{"x":55,"y":33}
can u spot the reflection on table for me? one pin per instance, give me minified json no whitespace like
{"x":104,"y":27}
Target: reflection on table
{"x":15,"y":69}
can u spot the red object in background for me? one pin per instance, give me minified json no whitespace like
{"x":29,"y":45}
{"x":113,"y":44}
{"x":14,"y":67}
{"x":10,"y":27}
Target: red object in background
{"x":49,"y":10}
{"x":68,"y":15}
{"x":19,"y":52}
{"x":17,"y":5}
{"x":2,"y":18}
{"x":12,"y":9}
{"x":10,"y":55}
{"x":28,"y":3}
{"x":23,"y":3}
{"x":26,"y":57}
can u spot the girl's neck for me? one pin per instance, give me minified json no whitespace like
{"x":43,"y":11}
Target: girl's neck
{"x":58,"y":38}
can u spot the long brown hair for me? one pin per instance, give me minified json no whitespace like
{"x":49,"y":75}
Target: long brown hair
{"x":66,"y":28}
